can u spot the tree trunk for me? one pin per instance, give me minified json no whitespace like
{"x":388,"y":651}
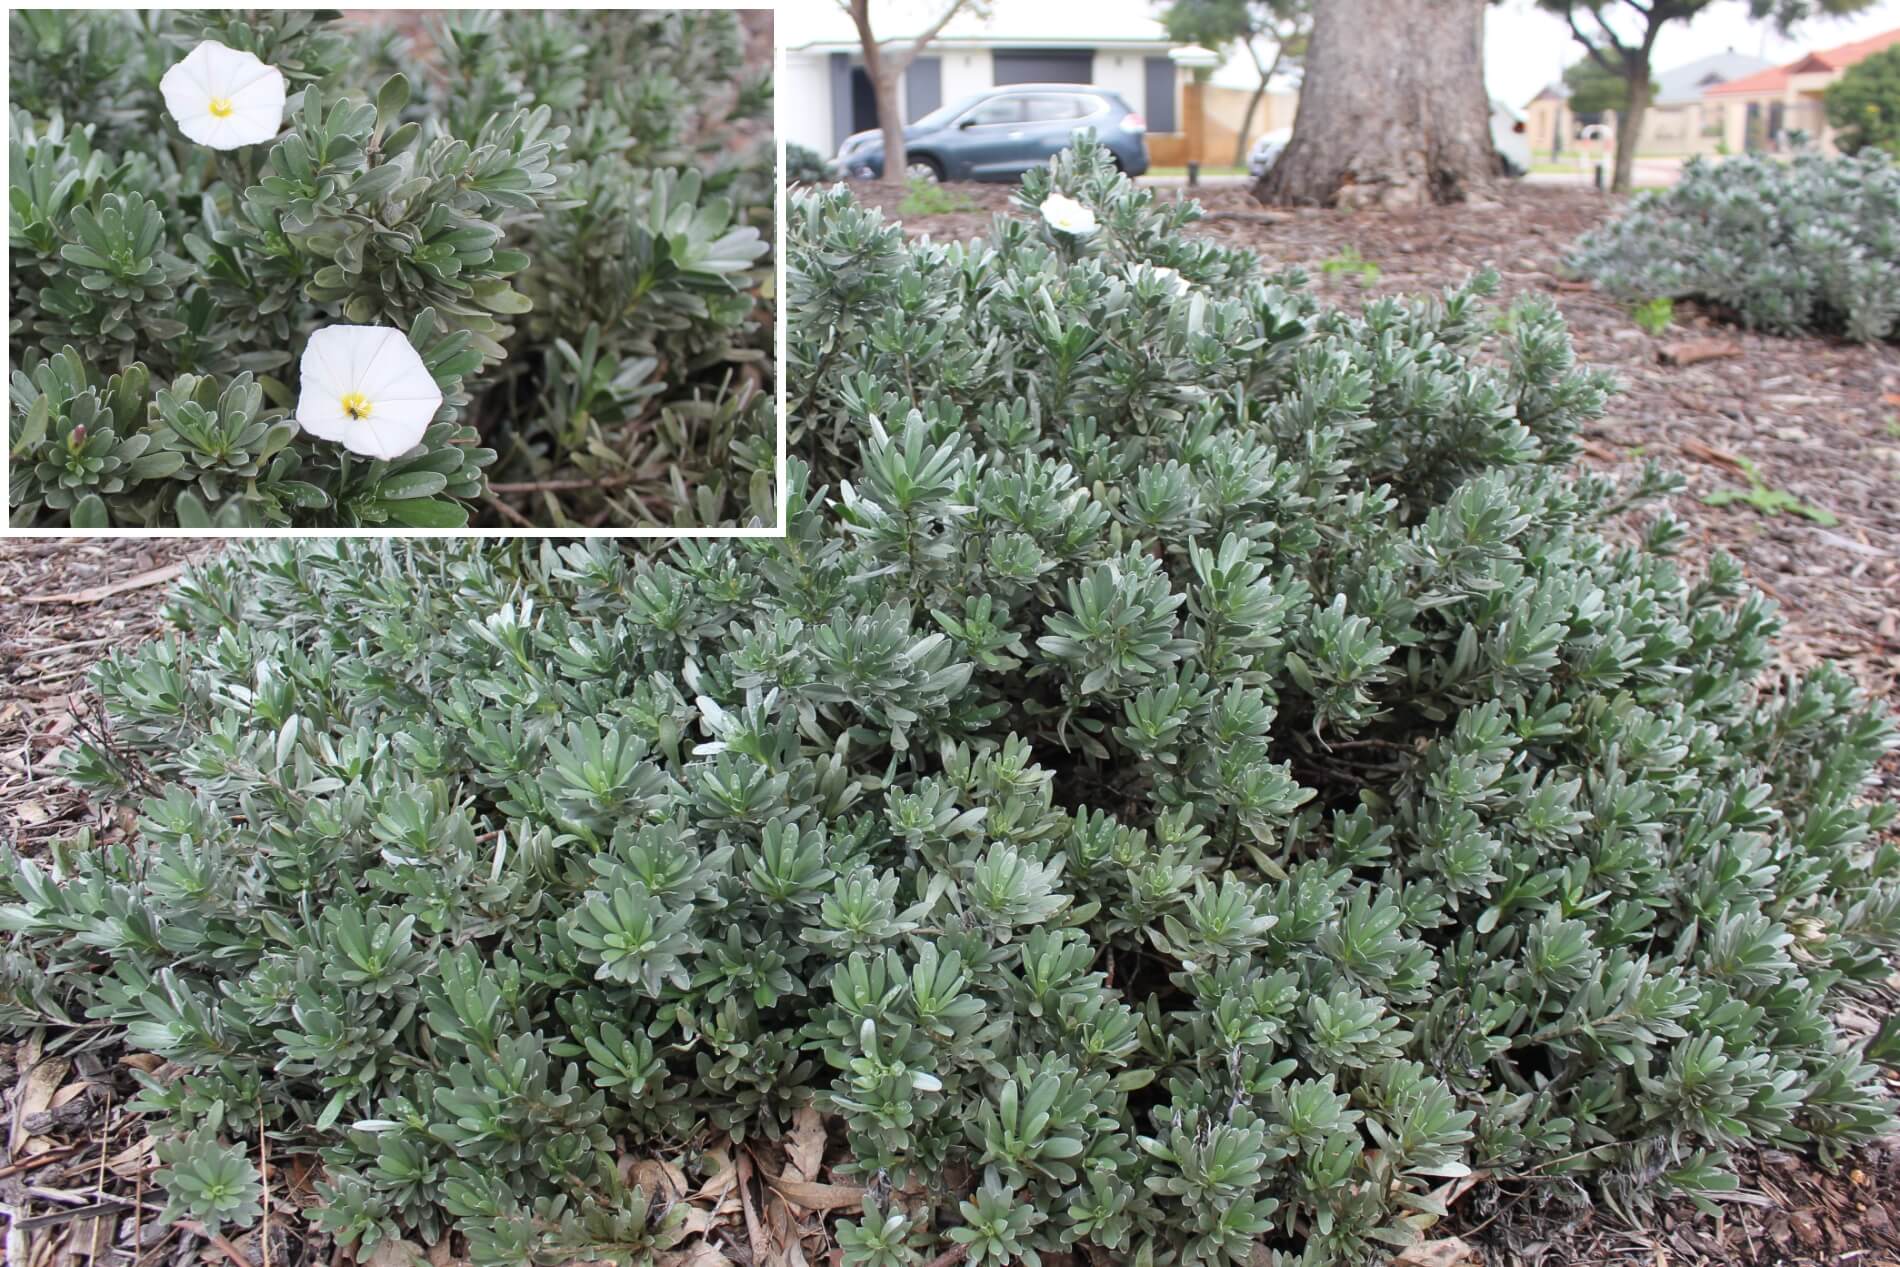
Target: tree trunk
{"x":882,"y":70}
{"x":1253,"y":102}
{"x":883,"y":76}
{"x":1393,"y":111}
{"x":890,"y":121}
{"x":1629,"y":131}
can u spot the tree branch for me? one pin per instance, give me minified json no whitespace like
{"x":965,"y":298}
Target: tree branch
{"x":1609,"y":32}
{"x":1596,"y":54}
{"x":902,"y":61}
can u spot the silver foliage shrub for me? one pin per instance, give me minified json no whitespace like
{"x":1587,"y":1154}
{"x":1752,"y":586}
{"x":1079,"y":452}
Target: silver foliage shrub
{"x":1788,"y":247}
{"x":1193,"y":775}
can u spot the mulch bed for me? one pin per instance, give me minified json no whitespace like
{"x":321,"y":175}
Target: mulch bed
{"x":1812,"y":414}
{"x":64,"y":605}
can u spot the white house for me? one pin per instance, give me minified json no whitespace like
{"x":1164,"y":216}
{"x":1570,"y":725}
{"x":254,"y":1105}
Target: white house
{"x":824,"y":94}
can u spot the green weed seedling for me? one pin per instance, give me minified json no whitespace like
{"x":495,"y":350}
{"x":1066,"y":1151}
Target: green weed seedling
{"x":1759,"y":497}
{"x":1350,"y":263}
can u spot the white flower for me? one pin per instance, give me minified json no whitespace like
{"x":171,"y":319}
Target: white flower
{"x":365,"y":388}
{"x":224,"y":98}
{"x":1066,"y":215}
{"x":1171,"y":278}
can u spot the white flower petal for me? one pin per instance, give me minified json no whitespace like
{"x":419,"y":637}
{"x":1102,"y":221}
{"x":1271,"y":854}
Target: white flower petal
{"x":265,"y":95}
{"x":394,"y":427}
{"x":1066,"y":215}
{"x":184,"y":91}
{"x":225,"y":67}
{"x":203,"y":129}
{"x":232,"y":133}
{"x":254,"y":127}
{"x":250,"y":78}
{"x":324,"y":368}
{"x":377,"y":363}
{"x":379,"y":366}
{"x":252,"y":90}
{"x":323,"y":416}
{"x":397,"y":373}
{"x":197,"y":66}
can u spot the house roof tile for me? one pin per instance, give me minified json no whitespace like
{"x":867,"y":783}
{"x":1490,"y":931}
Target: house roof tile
{"x":1838,"y":58}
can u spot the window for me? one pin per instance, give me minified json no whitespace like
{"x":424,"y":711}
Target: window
{"x":1056,"y":109}
{"x":1000,"y":110}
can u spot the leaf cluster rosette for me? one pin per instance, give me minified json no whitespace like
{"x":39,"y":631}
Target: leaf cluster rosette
{"x":1196,"y":777}
{"x":1808,"y":245}
{"x":584,"y":242}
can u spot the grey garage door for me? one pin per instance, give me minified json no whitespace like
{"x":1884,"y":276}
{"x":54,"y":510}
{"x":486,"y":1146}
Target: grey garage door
{"x":1045,"y":66}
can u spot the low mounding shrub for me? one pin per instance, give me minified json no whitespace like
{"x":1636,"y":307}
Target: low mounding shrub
{"x":548,"y":217}
{"x":1807,"y":245}
{"x":1193,"y":774}
{"x":803,"y":166}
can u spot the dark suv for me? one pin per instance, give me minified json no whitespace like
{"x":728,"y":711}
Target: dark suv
{"x":1002,"y":133}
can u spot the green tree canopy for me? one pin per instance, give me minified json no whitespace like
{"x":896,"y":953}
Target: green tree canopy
{"x":1593,"y":90}
{"x":1864,"y":104}
{"x":1215,"y":23}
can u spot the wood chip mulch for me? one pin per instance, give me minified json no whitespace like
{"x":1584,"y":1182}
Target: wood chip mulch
{"x":63,"y":606}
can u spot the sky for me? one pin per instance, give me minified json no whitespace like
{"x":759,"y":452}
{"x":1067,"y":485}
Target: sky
{"x":1525,"y":48}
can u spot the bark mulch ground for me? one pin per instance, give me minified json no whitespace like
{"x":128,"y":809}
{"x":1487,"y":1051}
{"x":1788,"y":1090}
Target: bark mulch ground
{"x":64,"y":605}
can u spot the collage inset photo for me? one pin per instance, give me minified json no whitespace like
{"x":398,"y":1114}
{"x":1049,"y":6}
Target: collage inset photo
{"x":392,"y":269}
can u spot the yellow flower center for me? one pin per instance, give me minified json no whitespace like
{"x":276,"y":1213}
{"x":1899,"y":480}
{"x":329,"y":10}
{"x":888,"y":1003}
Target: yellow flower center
{"x":356,"y":405}
{"x":220,"y":107}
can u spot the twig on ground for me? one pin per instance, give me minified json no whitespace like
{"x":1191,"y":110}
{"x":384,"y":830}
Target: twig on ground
{"x":566,"y":485}
{"x":34,"y":1163}
{"x":509,"y":512}
{"x":263,"y":1166}
{"x":93,"y":593}
{"x":218,"y":1242}
{"x":1249,"y":217}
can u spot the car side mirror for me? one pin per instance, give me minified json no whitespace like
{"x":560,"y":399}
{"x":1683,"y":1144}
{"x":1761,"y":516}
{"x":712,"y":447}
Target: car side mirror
{"x":964,"y":125}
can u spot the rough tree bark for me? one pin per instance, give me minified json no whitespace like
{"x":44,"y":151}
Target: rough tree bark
{"x":882,"y":66}
{"x":1266,"y":72}
{"x":1631,"y":63}
{"x":890,"y":118}
{"x":1393,"y":111}
{"x":1629,"y":128}
{"x":1631,"y":116}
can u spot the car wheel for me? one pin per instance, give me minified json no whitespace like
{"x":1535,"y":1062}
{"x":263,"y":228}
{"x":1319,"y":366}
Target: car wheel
{"x":925,"y":169}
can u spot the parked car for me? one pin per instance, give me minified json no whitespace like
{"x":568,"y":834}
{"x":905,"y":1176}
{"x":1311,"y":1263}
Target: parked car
{"x":1266,"y":151}
{"x":1509,"y":134}
{"x":1002,"y":133}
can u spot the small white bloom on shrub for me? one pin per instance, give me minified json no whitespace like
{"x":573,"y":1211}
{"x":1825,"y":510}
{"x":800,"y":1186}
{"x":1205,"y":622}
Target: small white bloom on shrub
{"x":1171,"y":278}
{"x":224,"y":97}
{"x":367,"y":389}
{"x":1066,"y":215}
